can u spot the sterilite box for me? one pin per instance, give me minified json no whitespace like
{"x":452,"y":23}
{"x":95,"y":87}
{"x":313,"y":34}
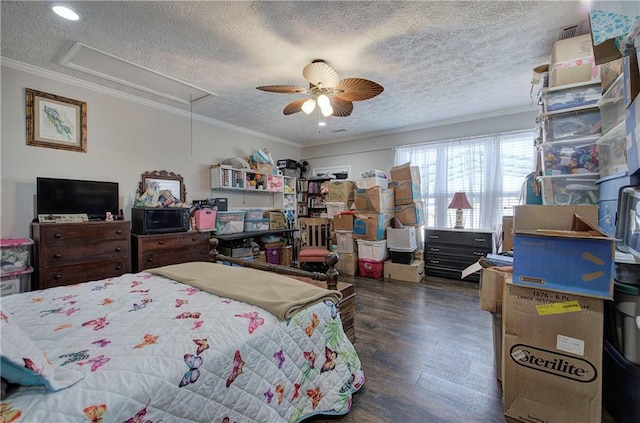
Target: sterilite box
{"x":570,"y":157}
{"x":569,"y":189}
{"x":612,"y":151}
{"x":372,"y":250}
{"x":253,"y":214}
{"x":229,"y":222}
{"x":256,"y":225}
{"x":401,"y":239}
{"x":559,"y":126}
{"x":612,"y":106}
{"x":345,"y":242}
{"x":15,"y":254}
{"x":567,"y":97}
{"x":370,"y":268}
{"x":16,"y":282}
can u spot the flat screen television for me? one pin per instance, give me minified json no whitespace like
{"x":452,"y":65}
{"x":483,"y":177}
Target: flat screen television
{"x":68,"y":196}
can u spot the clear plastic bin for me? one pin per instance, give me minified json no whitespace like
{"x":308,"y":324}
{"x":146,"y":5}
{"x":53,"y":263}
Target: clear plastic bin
{"x":612,"y":151}
{"x":612,"y":106}
{"x":570,"y":157}
{"x":569,"y":189}
{"x":345,"y":242}
{"x":402,"y":239}
{"x":256,"y":225}
{"x":560,"y":126}
{"x":229,"y":222}
{"x":253,"y":214}
{"x":15,"y":254}
{"x":554,"y":99}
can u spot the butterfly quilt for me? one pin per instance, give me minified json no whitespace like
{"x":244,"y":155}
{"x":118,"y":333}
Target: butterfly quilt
{"x":152,"y":349}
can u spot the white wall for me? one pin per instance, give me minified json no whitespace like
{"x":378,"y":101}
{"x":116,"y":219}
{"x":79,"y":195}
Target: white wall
{"x":125,"y":139}
{"x":378,"y":152}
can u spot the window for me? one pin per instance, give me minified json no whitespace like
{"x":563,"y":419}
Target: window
{"x":489,"y":169}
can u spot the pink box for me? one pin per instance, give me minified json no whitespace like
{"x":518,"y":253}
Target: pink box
{"x":206,"y":219}
{"x":273,"y":255}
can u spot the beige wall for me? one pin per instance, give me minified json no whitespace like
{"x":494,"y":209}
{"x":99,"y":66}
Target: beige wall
{"x":125,"y":139}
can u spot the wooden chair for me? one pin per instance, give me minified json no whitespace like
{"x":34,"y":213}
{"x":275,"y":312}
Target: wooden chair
{"x":315,"y":240}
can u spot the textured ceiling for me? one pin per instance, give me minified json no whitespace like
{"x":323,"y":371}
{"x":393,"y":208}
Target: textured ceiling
{"x":437,"y":60}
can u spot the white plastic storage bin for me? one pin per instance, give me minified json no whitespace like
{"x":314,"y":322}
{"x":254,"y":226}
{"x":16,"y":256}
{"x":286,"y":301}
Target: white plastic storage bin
{"x":334,"y":208}
{"x":559,"y":126}
{"x":569,"y":189}
{"x":401,"y":239}
{"x":612,"y":151}
{"x":345,"y":241}
{"x":570,"y":157}
{"x":15,"y":254}
{"x":612,"y":106}
{"x":229,"y":222}
{"x":16,"y":282}
{"x":567,"y":97}
{"x":372,"y":250}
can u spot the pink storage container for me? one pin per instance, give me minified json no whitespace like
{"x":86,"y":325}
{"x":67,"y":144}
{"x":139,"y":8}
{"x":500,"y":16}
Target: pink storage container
{"x":206,"y":219}
{"x":370,"y":268}
{"x":273,"y":255}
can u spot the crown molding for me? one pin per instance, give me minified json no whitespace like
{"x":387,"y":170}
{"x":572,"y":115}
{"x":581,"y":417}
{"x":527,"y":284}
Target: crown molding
{"x":56,"y":76}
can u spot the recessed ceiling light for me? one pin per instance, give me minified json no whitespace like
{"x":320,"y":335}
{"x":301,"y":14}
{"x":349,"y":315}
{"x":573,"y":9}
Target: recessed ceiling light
{"x":66,"y":13}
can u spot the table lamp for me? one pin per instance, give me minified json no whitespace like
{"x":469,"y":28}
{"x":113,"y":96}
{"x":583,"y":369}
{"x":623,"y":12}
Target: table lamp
{"x":459,"y":202}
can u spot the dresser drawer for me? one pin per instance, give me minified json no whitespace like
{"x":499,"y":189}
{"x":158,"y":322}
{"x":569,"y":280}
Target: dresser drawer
{"x":475,"y":239}
{"x":197,"y":239}
{"x":70,"y":253}
{"x":158,"y":243}
{"x":151,"y":259}
{"x":83,"y":272}
{"x":78,"y":233}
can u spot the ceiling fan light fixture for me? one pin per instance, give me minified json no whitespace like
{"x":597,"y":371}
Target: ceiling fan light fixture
{"x":326,"y":111}
{"x":309,"y":106}
{"x":66,"y":13}
{"x":323,"y":101}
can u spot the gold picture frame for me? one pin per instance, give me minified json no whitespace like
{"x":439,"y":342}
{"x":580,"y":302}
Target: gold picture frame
{"x":56,"y":122}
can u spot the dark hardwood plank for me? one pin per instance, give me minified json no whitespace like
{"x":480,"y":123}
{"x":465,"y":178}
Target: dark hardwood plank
{"x":427,"y":354}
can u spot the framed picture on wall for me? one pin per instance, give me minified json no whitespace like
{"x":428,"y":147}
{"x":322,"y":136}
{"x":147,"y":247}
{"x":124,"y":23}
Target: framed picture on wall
{"x":56,"y":122}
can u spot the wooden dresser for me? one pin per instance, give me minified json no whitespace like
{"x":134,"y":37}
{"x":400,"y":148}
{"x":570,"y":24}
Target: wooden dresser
{"x":69,"y":253}
{"x":164,"y":249}
{"x":449,"y":251}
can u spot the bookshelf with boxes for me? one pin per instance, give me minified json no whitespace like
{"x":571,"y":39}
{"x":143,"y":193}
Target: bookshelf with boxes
{"x":311,"y":196}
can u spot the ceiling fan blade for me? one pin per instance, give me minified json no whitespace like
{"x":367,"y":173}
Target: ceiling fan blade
{"x":283,"y":89}
{"x":321,"y":75}
{"x":357,"y":89}
{"x":294,"y":107}
{"x":341,"y":108}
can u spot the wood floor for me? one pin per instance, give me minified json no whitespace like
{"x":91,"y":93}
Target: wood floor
{"x":427,"y":354}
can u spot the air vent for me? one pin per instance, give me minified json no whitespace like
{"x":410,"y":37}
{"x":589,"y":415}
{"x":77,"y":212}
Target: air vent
{"x":335,"y":131}
{"x":568,"y":32}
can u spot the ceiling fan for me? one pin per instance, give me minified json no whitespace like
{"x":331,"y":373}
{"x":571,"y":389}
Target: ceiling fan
{"x":333,"y":96}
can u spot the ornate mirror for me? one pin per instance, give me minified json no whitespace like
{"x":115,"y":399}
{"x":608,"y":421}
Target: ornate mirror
{"x":159,"y":180}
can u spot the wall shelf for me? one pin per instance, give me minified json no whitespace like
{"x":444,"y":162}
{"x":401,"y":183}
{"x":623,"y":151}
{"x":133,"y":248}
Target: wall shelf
{"x":245,"y":180}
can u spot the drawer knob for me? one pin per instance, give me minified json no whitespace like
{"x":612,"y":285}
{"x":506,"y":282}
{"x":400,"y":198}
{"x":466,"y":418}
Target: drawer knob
{"x":194,"y":239}
{"x":57,"y":235}
{"x":118,"y":249}
{"x":57,"y":276}
{"x":57,"y":255}
{"x":150,"y":259}
{"x":435,"y":261}
{"x":480,"y":239}
{"x":119,"y":232}
{"x":119,"y":267}
{"x":435,"y":250}
{"x":434,"y":236}
{"x":161,"y":242}
{"x":475,"y":253}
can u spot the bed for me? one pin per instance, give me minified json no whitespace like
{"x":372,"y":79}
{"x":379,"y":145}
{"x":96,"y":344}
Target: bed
{"x":167,"y":345}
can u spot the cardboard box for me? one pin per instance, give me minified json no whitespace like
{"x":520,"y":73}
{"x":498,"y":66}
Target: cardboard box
{"x":343,"y":222}
{"x":406,"y":192}
{"x":413,"y":272}
{"x":405,"y":172}
{"x":507,"y":233}
{"x":376,"y":199}
{"x":347,"y":264}
{"x":340,"y":192}
{"x":410,"y":214}
{"x":276,"y":219}
{"x":556,"y":248}
{"x":572,"y":61}
{"x":371,"y":226}
{"x":552,"y":356}
{"x":491,"y":287}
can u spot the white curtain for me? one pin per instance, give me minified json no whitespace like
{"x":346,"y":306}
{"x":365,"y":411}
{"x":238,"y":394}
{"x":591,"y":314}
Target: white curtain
{"x":489,"y":169}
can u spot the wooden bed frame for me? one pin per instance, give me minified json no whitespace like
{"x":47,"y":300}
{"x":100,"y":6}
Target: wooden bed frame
{"x":330,"y":278}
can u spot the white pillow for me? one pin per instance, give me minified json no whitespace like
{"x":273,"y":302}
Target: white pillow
{"x":23,"y":363}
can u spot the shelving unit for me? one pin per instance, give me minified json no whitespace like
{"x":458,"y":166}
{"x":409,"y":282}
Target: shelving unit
{"x":246,"y":180}
{"x":288,"y":201}
{"x":311,"y":199}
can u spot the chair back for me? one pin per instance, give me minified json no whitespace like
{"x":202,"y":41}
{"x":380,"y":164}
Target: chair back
{"x":314,"y":232}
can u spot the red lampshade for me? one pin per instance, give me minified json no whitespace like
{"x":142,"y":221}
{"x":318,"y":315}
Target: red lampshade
{"x":460,"y":201}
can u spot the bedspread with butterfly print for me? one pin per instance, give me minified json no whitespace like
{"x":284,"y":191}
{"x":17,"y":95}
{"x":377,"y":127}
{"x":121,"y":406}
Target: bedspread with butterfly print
{"x":153,"y":350}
